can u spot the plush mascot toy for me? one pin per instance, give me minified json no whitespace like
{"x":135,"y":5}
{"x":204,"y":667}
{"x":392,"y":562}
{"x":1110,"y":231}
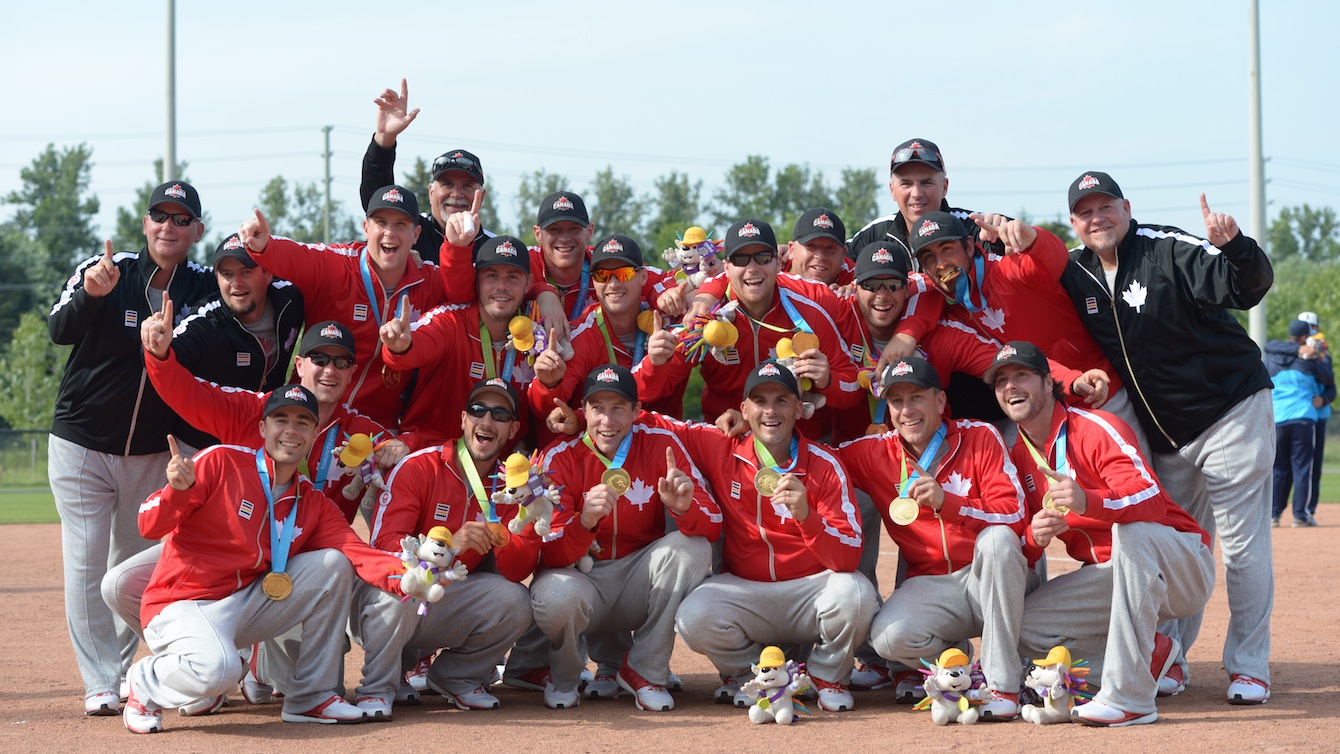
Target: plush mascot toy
{"x":950,"y":689}
{"x":529,"y":488}
{"x":356,"y":459}
{"x":694,"y":257}
{"x":776,"y":682}
{"x":428,"y":566}
{"x":1058,"y":681}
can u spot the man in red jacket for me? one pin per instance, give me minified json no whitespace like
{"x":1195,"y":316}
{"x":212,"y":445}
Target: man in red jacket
{"x":619,"y":482}
{"x":479,"y":618}
{"x":1145,"y":559}
{"x":956,"y":511}
{"x":792,"y":544}
{"x":251,"y":550}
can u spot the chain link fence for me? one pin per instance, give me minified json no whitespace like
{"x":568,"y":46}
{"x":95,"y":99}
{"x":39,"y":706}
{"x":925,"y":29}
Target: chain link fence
{"x":23,"y":458}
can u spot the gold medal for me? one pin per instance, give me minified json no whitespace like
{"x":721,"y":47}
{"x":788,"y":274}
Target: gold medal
{"x":765,"y":481}
{"x":1049,"y":505}
{"x":617,"y":480}
{"x":277,"y":586}
{"x":904,"y":510}
{"x":390,"y":377}
{"x":499,"y":535}
{"x":804,"y":341}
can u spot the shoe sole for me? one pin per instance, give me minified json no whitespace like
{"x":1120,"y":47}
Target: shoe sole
{"x":218,"y":704}
{"x":1130,"y":719}
{"x":990,"y":718}
{"x":103,"y":711}
{"x":155,"y":729}
{"x":452,"y":699}
{"x":574,"y":705}
{"x":637,"y":700}
{"x":376,"y":717}
{"x":589,"y":694}
{"x":1241,"y":702}
{"x":289,"y":717}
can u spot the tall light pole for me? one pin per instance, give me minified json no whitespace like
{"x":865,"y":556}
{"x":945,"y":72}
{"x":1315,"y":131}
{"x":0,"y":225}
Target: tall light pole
{"x":170,"y":149}
{"x":325,"y":211}
{"x":1256,"y":318}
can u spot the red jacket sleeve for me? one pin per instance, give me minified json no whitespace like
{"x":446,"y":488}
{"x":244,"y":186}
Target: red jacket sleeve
{"x":569,"y":539}
{"x":922,"y":309}
{"x":1121,"y":486}
{"x":377,"y":567}
{"x":833,"y":529}
{"x":990,"y":493}
{"x":436,"y":333}
{"x":304,"y":265}
{"x":655,"y":382}
{"x":231,"y":414}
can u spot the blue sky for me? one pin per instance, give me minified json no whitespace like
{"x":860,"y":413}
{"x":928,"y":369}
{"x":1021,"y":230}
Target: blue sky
{"x":1021,"y":97}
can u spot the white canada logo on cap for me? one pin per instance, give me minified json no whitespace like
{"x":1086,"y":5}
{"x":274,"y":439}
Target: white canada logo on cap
{"x":331,"y":331}
{"x":768,"y":370}
{"x":563,"y":203}
{"x":506,"y":249}
{"x":457,"y":156}
{"x":175,"y":190}
{"x":233,"y":242}
{"x":607,"y":376}
{"x":881,"y":255}
{"x":927,"y":228}
{"x":823,"y":221}
{"x":613,"y":247}
{"x":901,"y":368}
{"x":497,"y":382}
{"x":1006,"y":353}
{"x":1087,"y":182}
{"x":749,"y":229}
{"x":915,"y":145}
{"x":296,"y":394}
{"x":393,"y":196}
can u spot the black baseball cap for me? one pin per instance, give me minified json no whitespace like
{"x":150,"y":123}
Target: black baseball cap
{"x":560,"y":206}
{"x":397,"y":198}
{"x":881,"y":259}
{"x":459,"y":159}
{"x":819,"y":222}
{"x":508,"y":250}
{"x":328,"y":333}
{"x":771,"y":371}
{"x":936,"y":226}
{"x":1299,"y":328}
{"x":1019,"y":352}
{"x":497,"y":386}
{"x":923,"y":151}
{"x":177,"y":192}
{"x":290,"y":395}
{"x":611,"y":378}
{"x":1093,"y":182}
{"x":912,"y":370}
{"x":618,"y":248}
{"x":746,"y":233}
{"x":233,"y":248}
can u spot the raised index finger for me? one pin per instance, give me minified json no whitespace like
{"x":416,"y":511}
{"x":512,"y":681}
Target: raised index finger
{"x":670,"y":465}
{"x":1204,"y":205}
{"x":403,"y":314}
{"x":107,"y":252}
{"x":477,"y":202}
{"x":168,"y":319}
{"x":172,"y":447}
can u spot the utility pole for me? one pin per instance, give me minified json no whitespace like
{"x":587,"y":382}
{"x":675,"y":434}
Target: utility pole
{"x":1256,"y":318}
{"x":326,"y":212}
{"x":170,"y":149}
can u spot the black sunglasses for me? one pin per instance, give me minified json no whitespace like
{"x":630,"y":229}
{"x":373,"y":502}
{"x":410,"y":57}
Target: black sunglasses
{"x":323,"y":359}
{"x":179,"y":220}
{"x":875,"y":285}
{"x":915,"y":153}
{"x":761,"y":258}
{"x":499,"y":414}
{"x":454,"y":163}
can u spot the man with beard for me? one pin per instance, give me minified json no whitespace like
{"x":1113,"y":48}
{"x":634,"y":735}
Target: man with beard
{"x":478,"y":619}
{"x":244,"y":339}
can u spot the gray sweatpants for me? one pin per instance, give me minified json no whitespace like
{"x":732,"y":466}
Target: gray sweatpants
{"x":98,"y":497}
{"x":929,"y":614}
{"x":474,"y":623}
{"x":195,"y":642}
{"x":1222,"y":478}
{"x":730,"y":620}
{"x":640,"y":592}
{"x":1107,"y":613}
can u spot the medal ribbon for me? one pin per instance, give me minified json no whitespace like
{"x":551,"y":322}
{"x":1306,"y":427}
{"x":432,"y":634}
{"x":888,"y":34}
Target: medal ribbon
{"x":583,"y":288}
{"x":926,"y":460}
{"x":639,"y":347}
{"x":476,"y":485}
{"x":372,"y":292}
{"x":963,"y":295}
{"x":619,"y":456}
{"x":797,"y":322}
{"x":1061,"y":466}
{"x":766,"y":457}
{"x":280,"y":540}
{"x":486,"y":345}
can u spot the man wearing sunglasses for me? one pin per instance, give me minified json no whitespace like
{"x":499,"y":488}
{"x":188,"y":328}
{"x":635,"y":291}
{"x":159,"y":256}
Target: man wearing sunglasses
{"x":243,"y":339}
{"x":480,"y":618}
{"x":609,"y":333}
{"x":619,"y":482}
{"x":362,"y":285}
{"x":453,"y":346}
{"x":765,"y":312}
{"x":108,"y":441}
{"x":456,"y":173}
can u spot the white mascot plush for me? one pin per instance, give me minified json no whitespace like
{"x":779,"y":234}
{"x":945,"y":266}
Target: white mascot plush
{"x":429,"y":566}
{"x":1057,"y":680}
{"x":774,"y":686}
{"x":949,"y":689}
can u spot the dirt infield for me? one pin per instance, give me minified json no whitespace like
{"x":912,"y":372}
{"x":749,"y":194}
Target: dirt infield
{"x":42,"y":694}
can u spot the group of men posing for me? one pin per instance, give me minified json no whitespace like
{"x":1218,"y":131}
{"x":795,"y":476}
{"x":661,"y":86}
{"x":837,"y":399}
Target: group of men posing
{"x":1102,"y":396}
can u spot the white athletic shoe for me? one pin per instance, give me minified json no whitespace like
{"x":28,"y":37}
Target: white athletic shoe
{"x":254,"y":690}
{"x":555,"y":699}
{"x":202,"y":707}
{"x":834,"y":697}
{"x":728,"y":692}
{"x":475,"y":699}
{"x":1101,"y":715}
{"x":140,"y":714}
{"x":124,"y":690}
{"x":406,"y":694}
{"x":1244,"y":689}
{"x":603,"y":687}
{"x":102,"y":705}
{"x":871,"y":678}
{"x":333,"y":710}
{"x":376,"y":709}
{"x":673,"y":684}
{"x":907,"y":687}
{"x":646,"y":695}
{"x":418,"y":675}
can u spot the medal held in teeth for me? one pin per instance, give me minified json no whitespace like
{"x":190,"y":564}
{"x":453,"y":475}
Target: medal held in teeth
{"x":617,"y":480}
{"x":904,"y":510}
{"x":765,"y":481}
{"x":277,"y":586}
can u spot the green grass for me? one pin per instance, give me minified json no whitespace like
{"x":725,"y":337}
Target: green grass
{"x":27,"y":507}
